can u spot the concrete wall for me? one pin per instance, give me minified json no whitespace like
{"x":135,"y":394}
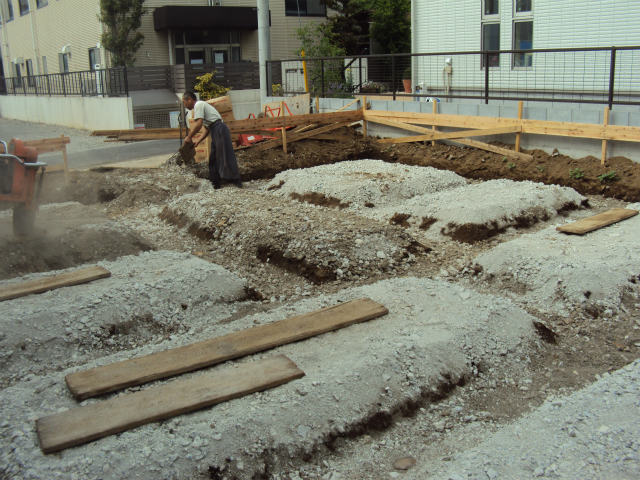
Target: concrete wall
{"x":574,"y":147}
{"x":90,"y":113}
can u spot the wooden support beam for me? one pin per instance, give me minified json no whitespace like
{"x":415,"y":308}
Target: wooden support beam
{"x":91,"y":422}
{"x":294,"y":137}
{"x":136,"y":371}
{"x":251,"y":125}
{"x":451,"y":135}
{"x":467,"y":142}
{"x":517,"y":146}
{"x":604,"y":142}
{"x":538,"y":127}
{"x":39,"y":285}
{"x":344,"y":107}
{"x":433,"y":127}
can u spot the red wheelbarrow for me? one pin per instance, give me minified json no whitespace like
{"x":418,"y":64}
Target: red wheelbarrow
{"x":20,"y":184}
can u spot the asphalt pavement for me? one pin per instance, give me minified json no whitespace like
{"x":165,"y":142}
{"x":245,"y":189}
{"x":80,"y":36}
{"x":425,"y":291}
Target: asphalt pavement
{"x":85,"y":150}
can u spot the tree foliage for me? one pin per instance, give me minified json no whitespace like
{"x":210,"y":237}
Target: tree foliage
{"x":351,"y":25}
{"x":391,"y":28}
{"x":121,"y":19}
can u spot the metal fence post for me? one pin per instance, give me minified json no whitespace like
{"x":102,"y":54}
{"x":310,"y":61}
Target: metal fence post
{"x":64,"y":85}
{"x":322,"y":76}
{"x":393,"y":76}
{"x":126,"y":82}
{"x":486,"y":77}
{"x":612,"y":76}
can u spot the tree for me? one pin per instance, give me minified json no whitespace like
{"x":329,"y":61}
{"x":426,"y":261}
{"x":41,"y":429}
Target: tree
{"x":121,"y":19}
{"x":351,"y":25}
{"x":391,"y":27}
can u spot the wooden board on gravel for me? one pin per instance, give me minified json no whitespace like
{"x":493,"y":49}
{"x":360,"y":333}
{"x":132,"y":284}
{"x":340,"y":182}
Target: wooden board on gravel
{"x":40,"y":285}
{"x":84,"y":424}
{"x":595,"y":222}
{"x":107,"y":378}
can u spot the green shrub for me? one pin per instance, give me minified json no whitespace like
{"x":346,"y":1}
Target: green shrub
{"x":207,"y":88}
{"x":576,"y":173}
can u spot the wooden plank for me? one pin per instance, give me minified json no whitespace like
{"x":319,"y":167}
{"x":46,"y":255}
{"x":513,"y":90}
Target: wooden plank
{"x":538,"y":127}
{"x":250,"y":125}
{"x":520,"y":106}
{"x":470,"y":143}
{"x":115,"y":133}
{"x":595,"y":222}
{"x":85,"y":424}
{"x":604,"y":142}
{"x":40,"y":285}
{"x":294,"y":137}
{"x":364,"y":120}
{"x":492,"y":148}
{"x":107,"y":378}
{"x":433,"y":127}
{"x":448,"y":135}
{"x":344,"y":107}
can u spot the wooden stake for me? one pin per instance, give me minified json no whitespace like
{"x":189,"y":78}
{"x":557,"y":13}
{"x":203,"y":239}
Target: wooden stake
{"x":284,"y":130}
{"x":364,"y":122}
{"x":520,"y":104}
{"x":433,"y":127}
{"x":604,"y":142}
{"x":317,"y":104}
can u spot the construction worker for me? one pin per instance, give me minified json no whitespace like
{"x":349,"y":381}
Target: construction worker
{"x":223,"y":166}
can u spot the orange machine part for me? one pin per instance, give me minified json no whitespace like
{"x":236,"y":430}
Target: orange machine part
{"x":19,"y":149}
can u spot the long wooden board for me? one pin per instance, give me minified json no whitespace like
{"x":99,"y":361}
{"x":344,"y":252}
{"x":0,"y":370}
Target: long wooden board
{"x":589,"y":224}
{"x":464,"y":141}
{"x":251,"y":125}
{"x":294,"y":137}
{"x":40,"y":285}
{"x":107,"y":378}
{"x":540,"y":127}
{"x":448,"y":135}
{"x":84,"y":424}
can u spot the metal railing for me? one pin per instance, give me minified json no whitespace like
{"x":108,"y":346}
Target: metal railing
{"x":120,"y":81}
{"x":600,"y":75}
{"x":109,"y":82}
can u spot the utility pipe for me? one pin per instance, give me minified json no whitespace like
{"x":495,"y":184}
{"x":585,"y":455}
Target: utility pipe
{"x":264,"y":46}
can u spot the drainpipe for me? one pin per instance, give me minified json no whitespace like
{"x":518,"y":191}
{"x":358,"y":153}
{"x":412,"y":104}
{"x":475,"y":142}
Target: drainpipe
{"x":414,"y":42}
{"x":34,"y":36}
{"x":264,"y":46}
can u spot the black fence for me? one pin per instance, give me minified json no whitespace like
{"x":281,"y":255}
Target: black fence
{"x":584,"y":75}
{"x":115,"y":82}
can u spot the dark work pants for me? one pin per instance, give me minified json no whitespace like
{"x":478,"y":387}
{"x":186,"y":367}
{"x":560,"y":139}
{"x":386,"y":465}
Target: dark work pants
{"x":223,"y":165}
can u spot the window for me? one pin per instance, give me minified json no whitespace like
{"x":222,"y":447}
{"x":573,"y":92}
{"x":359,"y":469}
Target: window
{"x":9,"y":11}
{"x":523,"y":6}
{"x":490,"y":7}
{"x":45,"y":70}
{"x":63,"y":60}
{"x":18,"y":75}
{"x":41,"y":3}
{"x":522,"y":40}
{"x":491,"y":41}
{"x":306,"y":8}
{"x":94,"y":58}
{"x":24,"y":6}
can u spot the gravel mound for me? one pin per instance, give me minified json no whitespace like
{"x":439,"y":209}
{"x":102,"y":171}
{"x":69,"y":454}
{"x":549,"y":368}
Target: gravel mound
{"x":303,"y":239}
{"x":361,"y":184}
{"x":591,"y":434}
{"x":357,"y":379}
{"x":555,"y":272}
{"x":436,"y":204}
{"x":148,"y":298}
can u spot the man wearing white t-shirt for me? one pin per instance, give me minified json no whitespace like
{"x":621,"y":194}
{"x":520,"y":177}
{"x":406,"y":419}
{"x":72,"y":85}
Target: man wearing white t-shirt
{"x":223,"y":166}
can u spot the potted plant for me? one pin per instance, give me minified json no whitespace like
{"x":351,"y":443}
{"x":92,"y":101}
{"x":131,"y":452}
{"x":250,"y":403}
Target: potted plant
{"x":406,"y":80}
{"x":371,"y":87}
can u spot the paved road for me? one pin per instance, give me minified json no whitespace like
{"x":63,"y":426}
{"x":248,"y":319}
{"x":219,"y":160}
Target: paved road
{"x":84,"y":150}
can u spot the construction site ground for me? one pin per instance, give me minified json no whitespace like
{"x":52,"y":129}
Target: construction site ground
{"x":500,"y":356}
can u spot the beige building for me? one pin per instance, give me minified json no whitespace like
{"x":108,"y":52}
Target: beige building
{"x":52,"y":36}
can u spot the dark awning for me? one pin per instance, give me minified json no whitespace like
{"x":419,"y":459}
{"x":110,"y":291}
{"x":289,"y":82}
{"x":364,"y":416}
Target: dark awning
{"x":186,"y":18}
